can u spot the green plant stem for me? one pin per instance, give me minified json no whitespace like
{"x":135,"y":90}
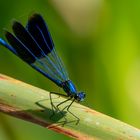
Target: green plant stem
{"x":33,"y":104}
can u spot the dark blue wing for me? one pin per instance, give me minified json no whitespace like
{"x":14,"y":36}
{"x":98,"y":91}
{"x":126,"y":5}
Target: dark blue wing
{"x":38,"y":29}
{"x":34,"y":45}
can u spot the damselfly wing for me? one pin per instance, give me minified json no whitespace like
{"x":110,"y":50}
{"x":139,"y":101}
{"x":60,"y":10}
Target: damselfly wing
{"x":34,"y":45}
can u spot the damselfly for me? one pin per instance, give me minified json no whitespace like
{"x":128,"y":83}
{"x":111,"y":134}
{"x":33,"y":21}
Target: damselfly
{"x":34,"y":45}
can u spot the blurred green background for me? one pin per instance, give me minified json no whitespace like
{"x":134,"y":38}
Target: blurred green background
{"x":99,"y":42}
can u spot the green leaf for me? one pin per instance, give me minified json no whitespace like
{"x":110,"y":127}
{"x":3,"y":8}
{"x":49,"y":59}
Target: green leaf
{"x":32,"y":104}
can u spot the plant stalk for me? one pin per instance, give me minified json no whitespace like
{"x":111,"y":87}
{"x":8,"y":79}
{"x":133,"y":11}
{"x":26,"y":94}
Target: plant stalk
{"x":32,"y":104}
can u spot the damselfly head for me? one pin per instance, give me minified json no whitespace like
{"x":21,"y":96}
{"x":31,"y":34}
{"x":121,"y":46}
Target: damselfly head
{"x":80,"y":96}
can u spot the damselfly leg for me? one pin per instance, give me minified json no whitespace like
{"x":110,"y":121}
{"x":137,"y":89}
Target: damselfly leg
{"x":67,"y":107}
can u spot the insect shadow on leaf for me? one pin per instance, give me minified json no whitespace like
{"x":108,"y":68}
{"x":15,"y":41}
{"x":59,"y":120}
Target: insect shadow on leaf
{"x":58,"y":113}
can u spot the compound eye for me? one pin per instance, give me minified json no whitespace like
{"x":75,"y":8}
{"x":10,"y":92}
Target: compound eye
{"x":81,"y":96}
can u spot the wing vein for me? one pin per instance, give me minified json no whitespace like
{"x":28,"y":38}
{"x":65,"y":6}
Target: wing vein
{"x":55,"y":66}
{"x":39,"y":61}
